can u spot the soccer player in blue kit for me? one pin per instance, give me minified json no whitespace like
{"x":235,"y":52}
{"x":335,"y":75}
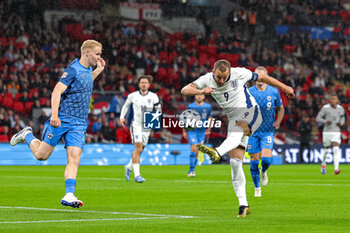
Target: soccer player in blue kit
{"x":70,"y":105}
{"x":197,"y":135}
{"x":260,"y":144}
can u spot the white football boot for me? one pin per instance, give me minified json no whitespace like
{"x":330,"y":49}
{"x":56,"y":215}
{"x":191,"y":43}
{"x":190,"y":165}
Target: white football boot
{"x":20,"y":136}
{"x":264,"y":178}
{"x":70,"y":200}
{"x":257,"y":192}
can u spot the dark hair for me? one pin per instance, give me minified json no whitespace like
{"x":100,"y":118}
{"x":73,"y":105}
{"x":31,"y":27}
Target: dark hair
{"x":148,"y":77}
{"x":222,"y":65}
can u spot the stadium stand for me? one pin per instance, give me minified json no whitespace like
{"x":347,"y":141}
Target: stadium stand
{"x":32,"y":63}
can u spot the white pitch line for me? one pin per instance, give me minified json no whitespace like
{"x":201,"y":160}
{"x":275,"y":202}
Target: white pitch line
{"x":312,"y":184}
{"x":293,"y":182}
{"x":82,"y":220}
{"x":95,"y":212}
{"x":110,"y":178}
{"x":61,"y":178}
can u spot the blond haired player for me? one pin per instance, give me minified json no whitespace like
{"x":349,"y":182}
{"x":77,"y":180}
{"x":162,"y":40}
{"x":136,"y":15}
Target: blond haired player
{"x":70,"y":105}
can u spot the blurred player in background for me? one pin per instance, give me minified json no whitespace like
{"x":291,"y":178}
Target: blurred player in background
{"x":70,"y":106}
{"x":142,"y":100}
{"x":260,"y":144}
{"x":227,"y":86}
{"x":305,"y":132}
{"x":332,"y":116}
{"x":197,"y":135}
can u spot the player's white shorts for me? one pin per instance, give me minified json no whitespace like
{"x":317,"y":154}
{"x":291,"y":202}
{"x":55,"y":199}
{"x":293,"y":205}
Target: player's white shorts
{"x":329,"y":137}
{"x":139,"y":134}
{"x":252,"y":116}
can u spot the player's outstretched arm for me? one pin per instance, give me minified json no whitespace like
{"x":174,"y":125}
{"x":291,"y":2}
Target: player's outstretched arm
{"x":274,"y":82}
{"x":55,"y":103}
{"x":191,"y":90}
{"x":100,"y":67}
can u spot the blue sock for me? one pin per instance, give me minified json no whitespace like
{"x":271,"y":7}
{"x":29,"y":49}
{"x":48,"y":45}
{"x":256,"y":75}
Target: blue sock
{"x":254,"y":170}
{"x":70,"y":185}
{"x":29,"y":138}
{"x":193,"y":161}
{"x":265,"y":163}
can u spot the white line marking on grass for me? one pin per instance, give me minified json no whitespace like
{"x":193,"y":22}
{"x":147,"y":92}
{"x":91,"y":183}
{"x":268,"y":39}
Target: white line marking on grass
{"x":82,"y":220}
{"x":110,"y":178}
{"x":61,"y":178}
{"x":202,"y":181}
{"x":96,"y":212}
{"x":183,"y":181}
{"x":311,"y":184}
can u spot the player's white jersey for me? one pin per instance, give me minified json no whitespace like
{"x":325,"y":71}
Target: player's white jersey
{"x":335,"y":115}
{"x":140,"y":103}
{"x":234,"y":95}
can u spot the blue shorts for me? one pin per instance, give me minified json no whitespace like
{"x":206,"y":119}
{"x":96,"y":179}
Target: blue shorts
{"x":196,"y":136}
{"x":74,"y":135}
{"x":258,"y":142}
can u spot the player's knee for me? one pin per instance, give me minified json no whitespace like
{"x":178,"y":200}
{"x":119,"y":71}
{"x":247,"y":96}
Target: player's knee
{"x":74,"y":161}
{"x":138,"y":151}
{"x":42,"y":156}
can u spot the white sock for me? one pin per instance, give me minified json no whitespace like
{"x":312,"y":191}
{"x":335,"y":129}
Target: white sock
{"x":129,"y":165}
{"x":336,"y":157}
{"x":325,"y":153}
{"x":238,"y":181}
{"x":234,"y":137}
{"x":136,"y":167}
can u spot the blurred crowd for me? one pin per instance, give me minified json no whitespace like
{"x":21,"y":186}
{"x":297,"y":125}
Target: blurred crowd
{"x":33,"y":57}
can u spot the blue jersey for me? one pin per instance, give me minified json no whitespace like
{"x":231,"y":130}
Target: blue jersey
{"x":268,"y":100}
{"x":74,"y":104}
{"x":204,"y":111}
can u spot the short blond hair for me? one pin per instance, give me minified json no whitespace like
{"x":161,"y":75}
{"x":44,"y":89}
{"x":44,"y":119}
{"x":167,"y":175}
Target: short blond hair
{"x":261,"y":68}
{"x":90,"y":44}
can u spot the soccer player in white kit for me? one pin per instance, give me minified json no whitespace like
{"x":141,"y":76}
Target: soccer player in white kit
{"x":142,"y":100}
{"x":332,"y":116}
{"x":227,"y":86}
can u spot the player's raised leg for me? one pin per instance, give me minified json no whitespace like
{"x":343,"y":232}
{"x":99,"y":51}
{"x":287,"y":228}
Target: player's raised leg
{"x":21,"y":136}
{"x":40,"y":149}
{"x":236,"y":131}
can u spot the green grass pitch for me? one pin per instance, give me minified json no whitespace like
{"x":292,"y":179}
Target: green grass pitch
{"x":298,"y":198}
